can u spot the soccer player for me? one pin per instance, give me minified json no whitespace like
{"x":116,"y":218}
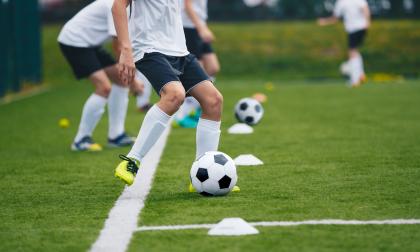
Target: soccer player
{"x":199,"y":38}
{"x":357,"y":19}
{"x":80,"y":41}
{"x":158,"y":50}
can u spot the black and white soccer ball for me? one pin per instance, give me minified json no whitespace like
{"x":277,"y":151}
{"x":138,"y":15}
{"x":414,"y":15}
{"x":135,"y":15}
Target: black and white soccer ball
{"x":214,"y":174}
{"x":249,"y":111}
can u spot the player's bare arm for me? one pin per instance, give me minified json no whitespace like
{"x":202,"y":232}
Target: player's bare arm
{"x":366,"y":12}
{"x":205,"y":33}
{"x":126,"y":63}
{"x":116,"y":47}
{"x":327,"y":21}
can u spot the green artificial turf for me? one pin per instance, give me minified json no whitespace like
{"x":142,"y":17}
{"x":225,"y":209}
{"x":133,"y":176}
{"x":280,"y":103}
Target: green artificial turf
{"x":329,"y":152}
{"x":312,"y":238}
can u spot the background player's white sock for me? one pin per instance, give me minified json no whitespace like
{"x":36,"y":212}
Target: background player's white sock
{"x":355,"y":70}
{"x":92,"y":113}
{"x":189,"y":105}
{"x":154,"y":123}
{"x":117,"y":110}
{"x":361,"y":65}
{"x":208,"y":135}
{"x":144,"y":98}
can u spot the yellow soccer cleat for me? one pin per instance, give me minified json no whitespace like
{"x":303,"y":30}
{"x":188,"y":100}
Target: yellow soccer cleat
{"x":86,"y":144}
{"x":236,"y":189}
{"x":127,"y":170}
{"x":191,"y":188}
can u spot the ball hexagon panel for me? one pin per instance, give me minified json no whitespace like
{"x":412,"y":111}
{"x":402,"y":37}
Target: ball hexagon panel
{"x":205,"y":161}
{"x":196,"y":184}
{"x":230,"y":169}
{"x":216,"y":171}
{"x":211,"y":186}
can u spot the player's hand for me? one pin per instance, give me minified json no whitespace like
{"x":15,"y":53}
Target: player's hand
{"x":322,"y":22}
{"x":206,"y":35}
{"x":126,"y":67}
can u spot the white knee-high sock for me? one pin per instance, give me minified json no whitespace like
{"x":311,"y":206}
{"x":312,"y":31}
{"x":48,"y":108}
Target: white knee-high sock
{"x":154,"y":123}
{"x":360,"y":64}
{"x":92,"y":113}
{"x":144,"y":98}
{"x":208,"y":135}
{"x":117,"y":110}
{"x":355,"y":70}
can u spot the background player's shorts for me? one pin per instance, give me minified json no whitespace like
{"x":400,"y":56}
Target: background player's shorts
{"x":356,"y":39}
{"x":161,"y":69}
{"x":86,"y":60}
{"x":195,"y":44}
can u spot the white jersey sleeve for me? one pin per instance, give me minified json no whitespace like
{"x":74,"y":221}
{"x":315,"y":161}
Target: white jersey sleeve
{"x":111,"y":27}
{"x":362,"y":3}
{"x":338,"y":9}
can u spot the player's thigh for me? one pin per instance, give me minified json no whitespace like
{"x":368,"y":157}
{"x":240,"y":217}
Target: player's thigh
{"x":210,"y":63}
{"x":207,"y":95}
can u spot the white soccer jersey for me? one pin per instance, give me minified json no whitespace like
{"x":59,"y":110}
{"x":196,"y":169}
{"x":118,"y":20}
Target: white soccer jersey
{"x":157,"y":27}
{"x":200,"y":8}
{"x":352,"y":13}
{"x":92,"y":26}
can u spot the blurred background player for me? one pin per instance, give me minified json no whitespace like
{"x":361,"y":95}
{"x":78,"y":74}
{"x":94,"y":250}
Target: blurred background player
{"x":81,"y":41}
{"x":198,"y":38}
{"x":357,"y":18}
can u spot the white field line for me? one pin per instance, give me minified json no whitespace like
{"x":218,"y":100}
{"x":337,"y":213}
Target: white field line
{"x":288,"y":224}
{"x":123,"y":217}
{"x":18,"y":97}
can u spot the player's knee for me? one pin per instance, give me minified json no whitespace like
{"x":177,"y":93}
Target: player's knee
{"x":104,"y":90}
{"x":175,"y":98}
{"x":214,"y":103}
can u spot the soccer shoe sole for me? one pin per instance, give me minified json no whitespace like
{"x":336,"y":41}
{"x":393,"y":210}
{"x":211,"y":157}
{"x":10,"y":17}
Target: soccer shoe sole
{"x":92,"y":148}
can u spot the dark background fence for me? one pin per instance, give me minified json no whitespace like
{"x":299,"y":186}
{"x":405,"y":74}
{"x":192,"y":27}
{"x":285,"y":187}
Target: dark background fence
{"x":20,"y":47}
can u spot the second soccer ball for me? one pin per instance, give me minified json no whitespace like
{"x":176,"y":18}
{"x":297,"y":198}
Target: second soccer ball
{"x":249,"y":111}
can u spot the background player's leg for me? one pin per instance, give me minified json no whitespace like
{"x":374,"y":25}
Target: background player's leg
{"x":208,"y":128}
{"x":356,"y":67}
{"x":211,"y":64}
{"x":157,"y":119}
{"x":95,"y":105}
{"x":143,"y":97}
{"x":117,"y":105}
